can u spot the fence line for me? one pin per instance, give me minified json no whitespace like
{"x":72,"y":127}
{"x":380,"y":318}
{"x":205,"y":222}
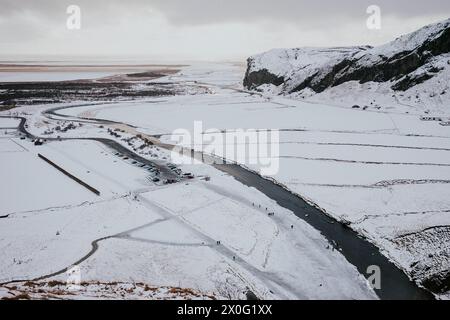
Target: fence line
{"x":84,"y":184}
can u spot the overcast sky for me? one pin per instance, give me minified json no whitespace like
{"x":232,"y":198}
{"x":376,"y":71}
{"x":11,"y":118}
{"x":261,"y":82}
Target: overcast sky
{"x":202,"y":29}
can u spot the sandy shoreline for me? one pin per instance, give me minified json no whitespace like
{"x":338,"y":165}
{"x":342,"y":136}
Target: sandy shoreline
{"x":85,"y":68}
{"x":20,"y":73}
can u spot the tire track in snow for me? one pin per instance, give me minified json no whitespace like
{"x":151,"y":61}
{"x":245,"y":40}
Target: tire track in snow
{"x":365,"y":145}
{"x":94,"y":245}
{"x":66,"y":207}
{"x":273,"y":282}
{"x":386,"y":132}
{"x":351,"y":144}
{"x":167,"y":243}
{"x":369,"y":162}
{"x":397,"y":214}
{"x":379,"y":185}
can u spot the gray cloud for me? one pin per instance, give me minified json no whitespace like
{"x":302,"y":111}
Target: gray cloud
{"x":220,"y":11}
{"x":295,"y":11}
{"x":115,"y":26}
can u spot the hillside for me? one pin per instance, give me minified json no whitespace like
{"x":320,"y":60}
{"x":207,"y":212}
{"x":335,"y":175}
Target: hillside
{"x":414,"y":69}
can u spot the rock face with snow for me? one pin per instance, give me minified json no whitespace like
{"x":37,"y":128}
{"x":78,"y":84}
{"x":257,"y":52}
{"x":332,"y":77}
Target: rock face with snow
{"x":405,"y":62}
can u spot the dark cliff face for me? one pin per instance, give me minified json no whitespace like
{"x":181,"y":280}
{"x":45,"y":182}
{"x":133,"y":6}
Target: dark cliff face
{"x":256,"y":78}
{"x":397,"y":68}
{"x":399,"y":65}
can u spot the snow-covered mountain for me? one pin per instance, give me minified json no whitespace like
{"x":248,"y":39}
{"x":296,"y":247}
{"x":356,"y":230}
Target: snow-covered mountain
{"x":414,"y":67}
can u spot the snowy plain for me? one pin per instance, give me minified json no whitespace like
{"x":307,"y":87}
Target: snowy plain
{"x":145,"y":236}
{"x":387,"y":174}
{"x":137,"y":231}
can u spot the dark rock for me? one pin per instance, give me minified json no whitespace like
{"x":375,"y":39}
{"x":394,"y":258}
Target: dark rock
{"x":439,"y":283}
{"x":257,"y":78}
{"x":368,"y":67}
{"x":410,"y":81}
{"x":251,"y":296}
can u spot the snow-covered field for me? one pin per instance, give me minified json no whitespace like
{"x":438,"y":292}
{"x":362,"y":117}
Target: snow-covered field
{"x":388,"y":174}
{"x":212,"y":236}
{"x":8,"y":123}
{"x":161,"y":236}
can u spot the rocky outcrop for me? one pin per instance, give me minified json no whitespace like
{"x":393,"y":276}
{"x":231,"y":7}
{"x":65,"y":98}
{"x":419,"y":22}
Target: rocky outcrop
{"x":257,"y":78}
{"x":396,"y":62}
